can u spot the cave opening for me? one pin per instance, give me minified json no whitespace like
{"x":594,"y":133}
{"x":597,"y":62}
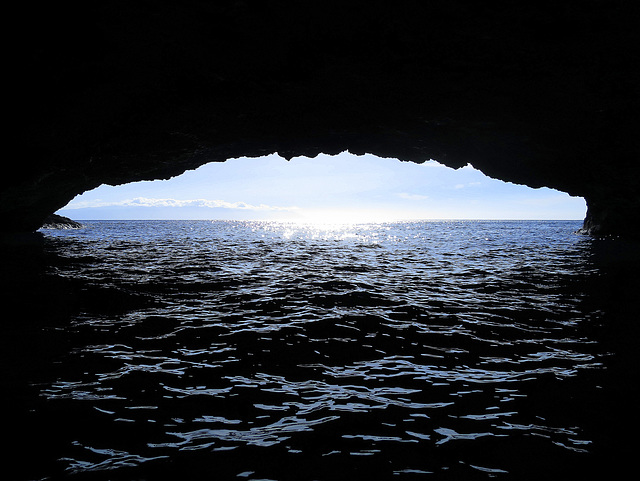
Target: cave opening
{"x":327,"y":188}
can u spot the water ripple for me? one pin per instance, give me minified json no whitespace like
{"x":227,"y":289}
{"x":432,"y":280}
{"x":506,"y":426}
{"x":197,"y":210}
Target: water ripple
{"x":421,"y":347}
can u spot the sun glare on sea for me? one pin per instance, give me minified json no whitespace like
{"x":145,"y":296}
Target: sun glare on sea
{"x":337,"y":225}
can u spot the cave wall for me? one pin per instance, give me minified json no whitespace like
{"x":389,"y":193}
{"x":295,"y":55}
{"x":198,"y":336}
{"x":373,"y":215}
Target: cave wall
{"x":528,"y":92}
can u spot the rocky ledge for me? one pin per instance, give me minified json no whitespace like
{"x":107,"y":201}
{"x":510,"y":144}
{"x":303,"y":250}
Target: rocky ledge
{"x":55,"y":221}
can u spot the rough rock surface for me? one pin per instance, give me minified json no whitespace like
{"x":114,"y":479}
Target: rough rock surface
{"x":543,"y":94}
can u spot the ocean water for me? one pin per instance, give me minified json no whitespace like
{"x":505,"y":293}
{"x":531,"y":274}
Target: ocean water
{"x":278,"y":351}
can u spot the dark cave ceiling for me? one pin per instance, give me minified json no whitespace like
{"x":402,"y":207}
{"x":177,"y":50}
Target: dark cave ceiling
{"x":115,"y":91}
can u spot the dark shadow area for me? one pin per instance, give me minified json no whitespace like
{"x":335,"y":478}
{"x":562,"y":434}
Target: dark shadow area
{"x":114,"y":92}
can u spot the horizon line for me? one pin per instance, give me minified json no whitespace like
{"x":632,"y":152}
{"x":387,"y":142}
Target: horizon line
{"x":301,"y":221}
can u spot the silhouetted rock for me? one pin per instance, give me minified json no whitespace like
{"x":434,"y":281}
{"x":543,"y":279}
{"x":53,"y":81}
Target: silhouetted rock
{"x":115,"y":91}
{"x":55,"y":221}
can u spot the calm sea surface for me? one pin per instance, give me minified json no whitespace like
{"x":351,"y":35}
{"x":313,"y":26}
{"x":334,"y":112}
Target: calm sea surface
{"x":258,"y":350}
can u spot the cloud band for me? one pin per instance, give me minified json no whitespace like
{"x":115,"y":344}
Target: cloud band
{"x":155,"y":202}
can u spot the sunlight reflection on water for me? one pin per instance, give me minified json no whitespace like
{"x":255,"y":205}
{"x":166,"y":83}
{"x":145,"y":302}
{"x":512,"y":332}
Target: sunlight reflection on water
{"x":458,"y":347}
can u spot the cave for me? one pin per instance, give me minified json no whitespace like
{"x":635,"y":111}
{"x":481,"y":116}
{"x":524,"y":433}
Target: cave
{"x":113,"y":92}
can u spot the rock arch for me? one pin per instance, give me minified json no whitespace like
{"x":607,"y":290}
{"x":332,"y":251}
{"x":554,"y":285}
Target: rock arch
{"x":116,"y":91}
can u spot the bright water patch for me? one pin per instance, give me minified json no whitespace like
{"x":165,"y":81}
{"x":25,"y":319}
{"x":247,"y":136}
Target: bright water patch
{"x":261,"y":350}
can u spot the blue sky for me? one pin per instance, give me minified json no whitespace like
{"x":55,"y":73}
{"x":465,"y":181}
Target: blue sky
{"x":326,"y":188}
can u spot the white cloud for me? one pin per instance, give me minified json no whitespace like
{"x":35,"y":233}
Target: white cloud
{"x":155,"y":202}
{"x":405,"y":195}
{"x":468,"y":184}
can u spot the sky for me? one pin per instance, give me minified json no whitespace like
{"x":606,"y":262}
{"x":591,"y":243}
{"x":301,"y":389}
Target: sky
{"x":340,"y":188}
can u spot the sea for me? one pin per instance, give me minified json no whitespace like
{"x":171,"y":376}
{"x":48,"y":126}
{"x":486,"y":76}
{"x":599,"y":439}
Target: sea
{"x":240,"y":350}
